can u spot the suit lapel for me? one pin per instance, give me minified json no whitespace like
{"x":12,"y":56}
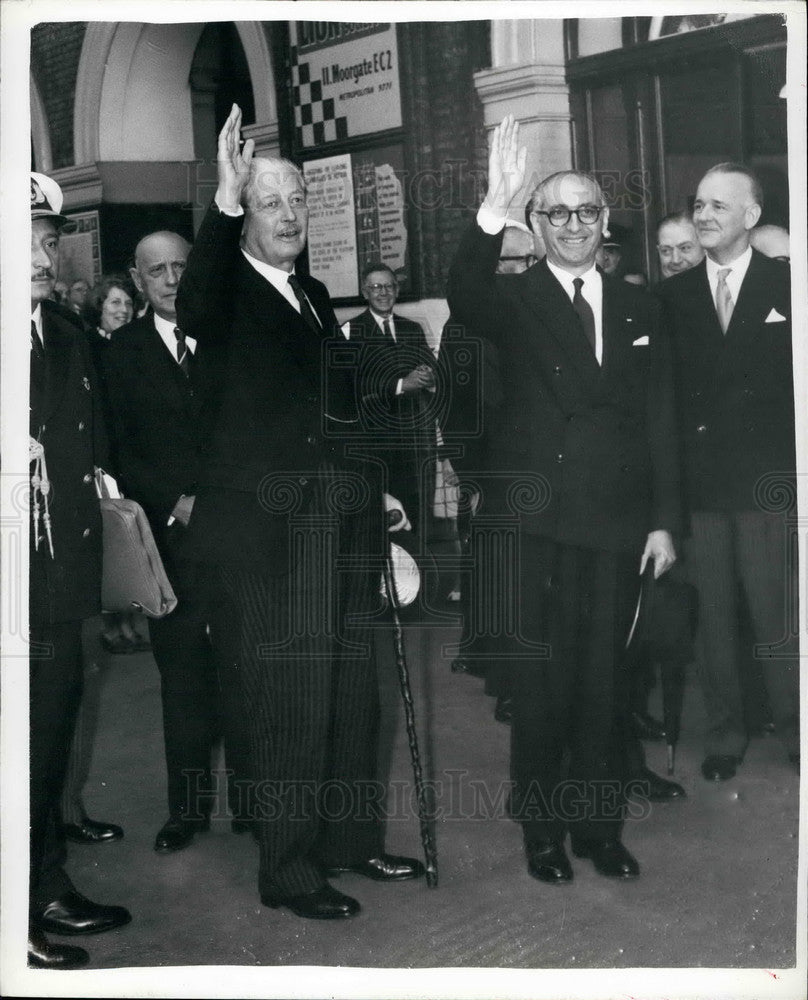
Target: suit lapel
{"x":59,"y":344}
{"x":545,"y":297}
{"x":752,"y":299}
{"x":157,"y":365}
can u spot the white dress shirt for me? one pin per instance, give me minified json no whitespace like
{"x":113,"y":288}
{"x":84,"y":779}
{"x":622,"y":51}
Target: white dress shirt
{"x":165,"y":327}
{"x":592,"y":288}
{"x":36,"y":316}
{"x":737,"y":273}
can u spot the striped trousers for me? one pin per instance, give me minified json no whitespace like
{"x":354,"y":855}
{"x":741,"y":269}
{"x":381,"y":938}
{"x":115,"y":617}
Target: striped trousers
{"x":310,"y":697}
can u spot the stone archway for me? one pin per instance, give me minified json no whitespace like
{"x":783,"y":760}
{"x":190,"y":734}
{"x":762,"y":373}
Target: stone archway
{"x":133,"y":99}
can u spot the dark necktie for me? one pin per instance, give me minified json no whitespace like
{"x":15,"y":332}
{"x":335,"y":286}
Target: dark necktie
{"x":388,"y":331}
{"x":183,"y":353}
{"x":305,"y":309}
{"x":585,"y":314}
{"x":37,"y":359}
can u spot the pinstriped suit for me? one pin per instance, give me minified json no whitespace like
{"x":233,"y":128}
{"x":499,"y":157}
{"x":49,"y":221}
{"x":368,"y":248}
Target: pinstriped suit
{"x":279,"y":502}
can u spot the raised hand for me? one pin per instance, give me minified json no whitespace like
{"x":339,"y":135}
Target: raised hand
{"x":506,"y":166}
{"x":233,"y":163}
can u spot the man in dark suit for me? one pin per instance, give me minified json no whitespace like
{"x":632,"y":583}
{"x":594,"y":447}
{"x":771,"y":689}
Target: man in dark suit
{"x":583,"y":489}
{"x":162,"y":395}
{"x":729,"y":320}
{"x":397,"y":398}
{"x":67,"y":442}
{"x":294,"y":528}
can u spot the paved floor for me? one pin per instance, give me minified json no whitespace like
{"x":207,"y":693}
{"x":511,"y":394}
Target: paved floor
{"x":718,"y":887}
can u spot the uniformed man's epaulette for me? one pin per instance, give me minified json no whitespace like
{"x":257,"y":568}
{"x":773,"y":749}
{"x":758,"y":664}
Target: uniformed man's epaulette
{"x":63,"y":313}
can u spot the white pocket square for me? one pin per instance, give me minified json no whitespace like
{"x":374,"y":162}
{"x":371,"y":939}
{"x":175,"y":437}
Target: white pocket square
{"x":775,"y":317}
{"x":640,"y":342}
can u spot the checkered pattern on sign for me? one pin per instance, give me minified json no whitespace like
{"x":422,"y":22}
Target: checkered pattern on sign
{"x":315,"y":119}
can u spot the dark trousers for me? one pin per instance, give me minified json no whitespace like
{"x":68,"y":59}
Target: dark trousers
{"x":55,"y":680}
{"x":200,"y":699}
{"x":311,"y":702}
{"x":569,"y":704}
{"x":753,"y":549}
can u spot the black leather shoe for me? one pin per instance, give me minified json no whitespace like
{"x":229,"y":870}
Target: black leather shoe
{"x":72,"y":914}
{"x":503,"y":710}
{"x":608,"y":856}
{"x":44,"y":954}
{"x":646,"y":727}
{"x":547,"y":861}
{"x":323,"y":903}
{"x":91,"y":831}
{"x":655,"y":788}
{"x":719,"y":766}
{"x":385,"y":868}
{"x":177,"y":833}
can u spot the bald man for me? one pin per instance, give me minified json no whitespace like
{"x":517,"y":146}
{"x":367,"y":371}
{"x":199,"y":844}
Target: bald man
{"x":584,"y":480}
{"x":771,"y":241}
{"x":162,"y":397}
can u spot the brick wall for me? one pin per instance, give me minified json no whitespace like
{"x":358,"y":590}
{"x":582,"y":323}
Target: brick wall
{"x":55,"y":51}
{"x":446,"y":143}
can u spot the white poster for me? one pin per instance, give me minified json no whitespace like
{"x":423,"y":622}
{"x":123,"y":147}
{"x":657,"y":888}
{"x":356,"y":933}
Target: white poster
{"x":332,"y":224}
{"x":345,"y":80}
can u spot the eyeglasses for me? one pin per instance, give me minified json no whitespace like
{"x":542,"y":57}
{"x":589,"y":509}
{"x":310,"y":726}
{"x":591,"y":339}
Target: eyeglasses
{"x":560,"y":215}
{"x":376,"y":287}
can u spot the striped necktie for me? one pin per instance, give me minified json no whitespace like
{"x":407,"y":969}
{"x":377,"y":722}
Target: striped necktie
{"x":183,"y":353}
{"x":306,"y":311}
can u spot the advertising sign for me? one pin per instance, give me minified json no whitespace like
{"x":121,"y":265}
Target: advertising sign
{"x":344,"y":80}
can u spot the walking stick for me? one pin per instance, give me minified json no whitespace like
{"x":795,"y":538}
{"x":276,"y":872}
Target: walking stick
{"x":430,"y":853}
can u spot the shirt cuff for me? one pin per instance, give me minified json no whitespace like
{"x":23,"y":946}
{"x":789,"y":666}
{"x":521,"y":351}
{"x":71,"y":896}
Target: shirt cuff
{"x":233,"y":215}
{"x":489,"y":221}
{"x":399,"y":390}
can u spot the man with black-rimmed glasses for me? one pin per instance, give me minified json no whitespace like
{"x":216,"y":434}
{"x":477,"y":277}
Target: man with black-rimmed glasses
{"x":582,"y":464}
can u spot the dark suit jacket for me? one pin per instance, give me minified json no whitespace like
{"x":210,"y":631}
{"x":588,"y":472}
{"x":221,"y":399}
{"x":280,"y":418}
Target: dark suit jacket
{"x":287,"y":406}
{"x":161,"y":420}
{"x":595,"y":445}
{"x":66,"y":417}
{"x":734,"y":392}
{"x":401,"y":426}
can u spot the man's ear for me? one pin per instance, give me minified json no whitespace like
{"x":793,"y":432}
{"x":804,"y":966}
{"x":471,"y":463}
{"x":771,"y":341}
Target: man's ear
{"x":135,"y":276}
{"x":753,"y":213}
{"x":605,"y":216}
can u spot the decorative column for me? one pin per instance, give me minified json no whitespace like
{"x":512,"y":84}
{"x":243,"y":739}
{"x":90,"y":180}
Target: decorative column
{"x":527,"y":80}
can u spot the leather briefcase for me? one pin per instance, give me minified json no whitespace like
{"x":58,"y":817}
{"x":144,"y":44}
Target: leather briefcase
{"x":133,"y":577}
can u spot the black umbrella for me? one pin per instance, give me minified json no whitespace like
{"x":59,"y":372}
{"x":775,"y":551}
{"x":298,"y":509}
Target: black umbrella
{"x":666,"y":621}
{"x":427,"y":840}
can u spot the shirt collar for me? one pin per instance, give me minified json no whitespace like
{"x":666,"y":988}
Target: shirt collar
{"x":276,"y":276}
{"x":592,"y":276}
{"x":165,"y":327}
{"x":737,"y":266}
{"x":381,"y":320}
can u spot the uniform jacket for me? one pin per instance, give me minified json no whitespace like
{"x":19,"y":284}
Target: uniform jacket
{"x":735,"y":392}
{"x":66,"y":418}
{"x":287,"y":403}
{"x":160,"y":419}
{"x":402,"y":426}
{"x":593,"y":446}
